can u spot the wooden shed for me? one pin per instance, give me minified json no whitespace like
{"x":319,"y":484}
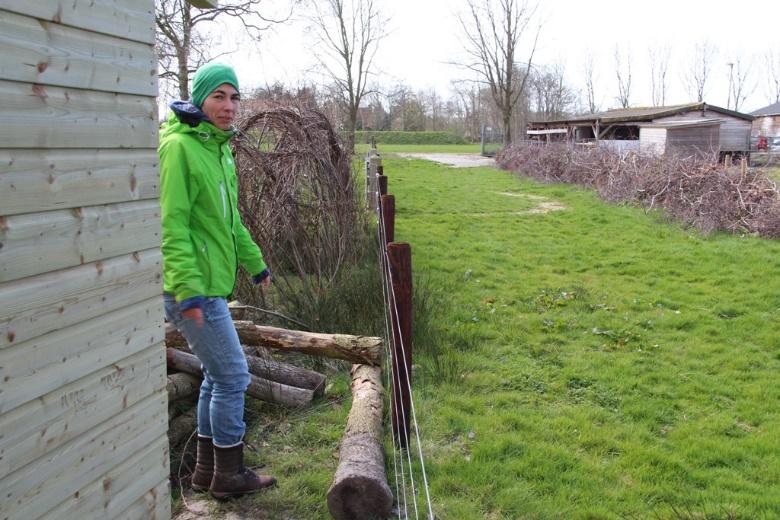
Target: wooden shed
{"x":83,"y":406}
{"x":767,"y":121}
{"x":698,"y":138}
{"x":620,"y":128}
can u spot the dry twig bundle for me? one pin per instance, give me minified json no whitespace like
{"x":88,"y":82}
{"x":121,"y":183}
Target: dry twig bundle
{"x":697,"y":191}
{"x":298,"y":200}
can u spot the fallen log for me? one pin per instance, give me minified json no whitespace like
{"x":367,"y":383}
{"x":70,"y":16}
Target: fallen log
{"x":360,"y":488}
{"x":181,"y":385}
{"x":259,"y":388}
{"x":285,"y":373}
{"x":365,"y":350}
{"x":180,"y":428}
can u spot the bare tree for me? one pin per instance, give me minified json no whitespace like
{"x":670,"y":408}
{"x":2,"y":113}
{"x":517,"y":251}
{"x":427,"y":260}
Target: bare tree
{"x":623,"y":77}
{"x":659,"y":68}
{"x":182,"y":45}
{"x":700,"y":68}
{"x":773,"y":75}
{"x":590,"y":84}
{"x":494,"y":30}
{"x":349,"y":32}
{"x":550,"y":96}
{"x":740,"y":83}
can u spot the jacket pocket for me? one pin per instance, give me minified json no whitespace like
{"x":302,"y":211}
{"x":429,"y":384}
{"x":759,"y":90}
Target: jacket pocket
{"x":223,"y":193}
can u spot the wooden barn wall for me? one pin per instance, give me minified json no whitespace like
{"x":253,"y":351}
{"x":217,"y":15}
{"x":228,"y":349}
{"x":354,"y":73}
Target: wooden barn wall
{"x":652,"y":140}
{"x":83,"y":407}
{"x":767,"y":125}
{"x":734,"y":131}
{"x":702,"y":141}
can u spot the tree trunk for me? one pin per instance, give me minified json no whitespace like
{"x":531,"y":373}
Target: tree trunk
{"x":266,"y":367}
{"x":181,"y":385}
{"x":360,"y":488}
{"x":180,"y":428}
{"x":356,"y":349}
{"x":259,"y":388}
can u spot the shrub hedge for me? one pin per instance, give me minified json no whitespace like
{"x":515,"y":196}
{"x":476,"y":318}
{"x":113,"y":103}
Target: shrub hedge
{"x":396,"y":137}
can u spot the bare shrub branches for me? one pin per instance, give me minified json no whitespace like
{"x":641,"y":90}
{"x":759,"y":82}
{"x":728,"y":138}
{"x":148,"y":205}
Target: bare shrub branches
{"x":699,"y":192}
{"x":298,"y":201}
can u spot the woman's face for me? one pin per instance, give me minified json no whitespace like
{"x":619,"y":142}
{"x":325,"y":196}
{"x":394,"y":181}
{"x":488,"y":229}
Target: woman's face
{"x":221,"y":106}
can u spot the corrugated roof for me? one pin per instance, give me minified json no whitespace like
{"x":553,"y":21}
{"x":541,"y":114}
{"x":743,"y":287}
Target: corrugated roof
{"x":646,"y":113}
{"x":771,"y":110}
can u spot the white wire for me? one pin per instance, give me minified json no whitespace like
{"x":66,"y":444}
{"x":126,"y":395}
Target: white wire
{"x":387,"y":276}
{"x":385,"y":295}
{"x":398,"y":379}
{"x":411,"y":404}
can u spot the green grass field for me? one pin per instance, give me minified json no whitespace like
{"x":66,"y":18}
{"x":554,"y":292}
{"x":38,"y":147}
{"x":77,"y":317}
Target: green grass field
{"x":362,"y":149}
{"x":590,"y":362}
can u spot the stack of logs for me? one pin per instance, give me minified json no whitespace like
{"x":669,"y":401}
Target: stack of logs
{"x":360,"y":488}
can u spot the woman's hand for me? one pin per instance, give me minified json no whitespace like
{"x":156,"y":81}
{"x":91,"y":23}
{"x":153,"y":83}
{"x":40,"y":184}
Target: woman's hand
{"x":195,"y":314}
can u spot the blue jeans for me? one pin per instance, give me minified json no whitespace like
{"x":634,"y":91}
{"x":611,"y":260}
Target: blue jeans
{"x":225,"y":372}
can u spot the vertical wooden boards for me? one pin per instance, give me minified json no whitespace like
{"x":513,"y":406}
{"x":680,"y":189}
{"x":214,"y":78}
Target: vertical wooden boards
{"x":41,"y":242}
{"x":129,"y":19}
{"x":41,"y":116}
{"x":42,"y":180}
{"x":53,"y":54}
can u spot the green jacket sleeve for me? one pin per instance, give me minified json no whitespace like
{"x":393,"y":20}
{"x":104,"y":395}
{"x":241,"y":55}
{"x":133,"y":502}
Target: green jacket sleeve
{"x":249,"y":254}
{"x":176,"y":193}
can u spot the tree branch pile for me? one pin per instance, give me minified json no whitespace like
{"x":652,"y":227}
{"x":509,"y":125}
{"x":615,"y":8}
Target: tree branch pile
{"x":298,"y":201}
{"x":698,"y":191}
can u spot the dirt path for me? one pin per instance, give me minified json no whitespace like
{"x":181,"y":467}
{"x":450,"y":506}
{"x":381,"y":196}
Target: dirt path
{"x":455,"y":160}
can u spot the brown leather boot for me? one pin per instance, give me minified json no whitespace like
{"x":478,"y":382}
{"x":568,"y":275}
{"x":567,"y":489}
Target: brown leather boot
{"x":231,"y":477}
{"x":204,"y":465}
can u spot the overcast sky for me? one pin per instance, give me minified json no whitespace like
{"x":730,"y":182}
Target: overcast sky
{"x":424,"y":39}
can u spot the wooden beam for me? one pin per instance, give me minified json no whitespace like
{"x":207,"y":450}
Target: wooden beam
{"x":49,"y":179}
{"x":259,"y":388}
{"x":35,"y":51}
{"x":37,"y":305}
{"x":181,"y":385}
{"x":128,"y":19}
{"x":360,"y":349}
{"x":41,"y":242}
{"x":38,"y":116}
{"x":266,"y":367}
{"x":360,"y":488}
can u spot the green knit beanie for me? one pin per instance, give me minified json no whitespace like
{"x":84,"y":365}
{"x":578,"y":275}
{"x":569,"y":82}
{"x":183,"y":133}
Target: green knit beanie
{"x":208,"y":78}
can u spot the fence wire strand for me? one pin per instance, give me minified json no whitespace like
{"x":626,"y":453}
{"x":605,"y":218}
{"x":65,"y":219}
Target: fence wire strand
{"x":392,"y":309}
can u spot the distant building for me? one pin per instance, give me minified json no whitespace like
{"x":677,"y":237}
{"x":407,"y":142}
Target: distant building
{"x":766,"y":121}
{"x":694,"y":128}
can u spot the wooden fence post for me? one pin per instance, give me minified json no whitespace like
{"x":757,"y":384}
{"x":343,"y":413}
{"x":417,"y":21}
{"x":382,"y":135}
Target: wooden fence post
{"x":387,"y":203}
{"x":400,"y":257}
{"x":373,"y":163}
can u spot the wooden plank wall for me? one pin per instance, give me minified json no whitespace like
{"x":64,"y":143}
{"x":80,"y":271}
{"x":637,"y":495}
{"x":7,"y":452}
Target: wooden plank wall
{"x":83,"y":407}
{"x":734,"y":131}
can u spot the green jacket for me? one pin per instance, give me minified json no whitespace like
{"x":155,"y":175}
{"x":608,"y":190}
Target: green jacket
{"x":203,"y":239}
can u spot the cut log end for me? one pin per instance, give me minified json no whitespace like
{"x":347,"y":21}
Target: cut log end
{"x":358,"y":498}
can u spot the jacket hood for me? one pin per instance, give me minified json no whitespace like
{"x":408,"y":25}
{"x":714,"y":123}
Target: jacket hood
{"x":186,"y":118}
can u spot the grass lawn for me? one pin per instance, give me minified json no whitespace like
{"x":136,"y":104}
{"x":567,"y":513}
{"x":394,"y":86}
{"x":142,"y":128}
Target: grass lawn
{"x":592,"y":362}
{"x":419,"y":148}
{"x":589,"y":362}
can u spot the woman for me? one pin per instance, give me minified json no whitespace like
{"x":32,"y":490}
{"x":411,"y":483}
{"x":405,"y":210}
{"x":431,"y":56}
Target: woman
{"x":203,"y":241}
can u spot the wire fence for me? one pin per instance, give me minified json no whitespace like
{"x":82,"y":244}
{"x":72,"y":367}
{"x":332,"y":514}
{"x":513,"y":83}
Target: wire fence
{"x":410,"y":480}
